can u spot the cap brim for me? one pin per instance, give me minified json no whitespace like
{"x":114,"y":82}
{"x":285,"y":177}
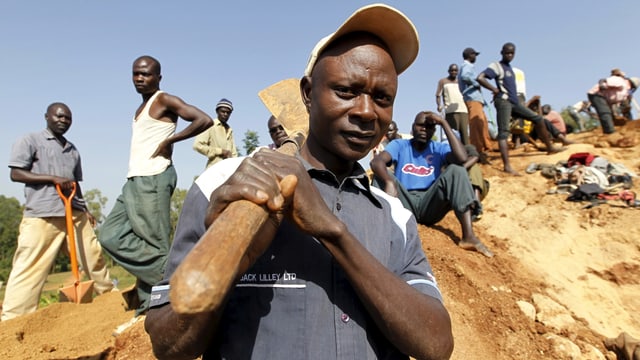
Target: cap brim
{"x":383,"y":21}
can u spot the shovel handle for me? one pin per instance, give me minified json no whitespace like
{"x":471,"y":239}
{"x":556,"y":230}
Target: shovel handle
{"x":71,"y":238}
{"x":205,"y":276}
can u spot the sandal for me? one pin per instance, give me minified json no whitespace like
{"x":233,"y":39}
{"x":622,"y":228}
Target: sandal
{"x":533,"y":167}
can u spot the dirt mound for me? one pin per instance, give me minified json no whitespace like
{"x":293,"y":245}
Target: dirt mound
{"x":564,"y":277}
{"x":65,"y":330}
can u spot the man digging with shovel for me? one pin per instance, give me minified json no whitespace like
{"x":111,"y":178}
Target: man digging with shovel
{"x":42,"y":161}
{"x":337,"y":269}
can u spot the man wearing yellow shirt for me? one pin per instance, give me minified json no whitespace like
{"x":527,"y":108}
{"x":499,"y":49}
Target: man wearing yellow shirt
{"x":217,"y":143}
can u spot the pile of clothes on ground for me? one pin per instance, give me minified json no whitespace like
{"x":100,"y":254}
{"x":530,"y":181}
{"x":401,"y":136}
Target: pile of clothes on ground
{"x":591,"y":178}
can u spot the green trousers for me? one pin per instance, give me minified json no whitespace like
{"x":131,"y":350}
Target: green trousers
{"x":136,"y":232}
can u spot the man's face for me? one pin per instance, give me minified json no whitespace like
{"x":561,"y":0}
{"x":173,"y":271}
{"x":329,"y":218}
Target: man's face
{"x":146,"y":78}
{"x":224,"y":113}
{"x":58,"y":119}
{"x":453,"y":72}
{"x":423,"y":128}
{"x":350,"y":99}
{"x":276,"y":131}
{"x":392,"y":132}
{"x":508,"y":53}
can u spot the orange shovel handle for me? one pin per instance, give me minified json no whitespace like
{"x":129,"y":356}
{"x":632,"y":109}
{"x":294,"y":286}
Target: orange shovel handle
{"x":71,"y":239}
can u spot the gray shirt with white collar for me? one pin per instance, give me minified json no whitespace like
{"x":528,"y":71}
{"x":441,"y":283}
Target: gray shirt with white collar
{"x":296,"y":302}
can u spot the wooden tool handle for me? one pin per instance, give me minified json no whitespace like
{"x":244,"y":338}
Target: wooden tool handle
{"x":207,"y":273}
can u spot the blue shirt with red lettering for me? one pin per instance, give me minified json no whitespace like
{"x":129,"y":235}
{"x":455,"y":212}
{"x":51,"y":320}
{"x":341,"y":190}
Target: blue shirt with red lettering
{"x":417,"y":170}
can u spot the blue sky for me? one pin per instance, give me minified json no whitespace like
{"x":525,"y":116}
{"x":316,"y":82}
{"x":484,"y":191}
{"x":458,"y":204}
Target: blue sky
{"x":80,"y":53}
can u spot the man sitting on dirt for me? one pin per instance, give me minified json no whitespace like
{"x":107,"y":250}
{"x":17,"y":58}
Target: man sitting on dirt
{"x":553,"y":122}
{"x":335,"y":269}
{"x":554,"y":118}
{"x":420,"y":182}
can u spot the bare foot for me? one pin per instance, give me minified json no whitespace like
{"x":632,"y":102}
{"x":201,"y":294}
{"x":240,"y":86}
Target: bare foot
{"x":555,"y":150}
{"x":510,"y":171}
{"x":479,"y":247}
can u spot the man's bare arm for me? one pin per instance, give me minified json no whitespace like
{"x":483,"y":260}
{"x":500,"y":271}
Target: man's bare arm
{"x":27,"y":177}
{"x":424,"y":332}
{"x":379,"y":165}
{"x":199,"y":120}
{"x":439,"y":95}
{"x":172,"y":107}
{"x":482,"y":80}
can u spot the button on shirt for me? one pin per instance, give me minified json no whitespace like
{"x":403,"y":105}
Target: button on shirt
{"x":296,"y":301}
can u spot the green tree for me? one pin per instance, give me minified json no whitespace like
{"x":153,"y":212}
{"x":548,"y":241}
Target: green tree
{"x":590,"y":122}
{"x":10,"y":217}
{"x":96,"y":203}
{"x":177,"y":199}
{"x":251,"y":141}
{"x":568,"y":119}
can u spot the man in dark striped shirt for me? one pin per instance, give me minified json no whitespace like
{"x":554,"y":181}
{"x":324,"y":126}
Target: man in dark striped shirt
{"x":342,"y":273}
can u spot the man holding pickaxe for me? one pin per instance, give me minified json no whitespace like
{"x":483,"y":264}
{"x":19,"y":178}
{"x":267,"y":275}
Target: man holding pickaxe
{"x":337,"y":270}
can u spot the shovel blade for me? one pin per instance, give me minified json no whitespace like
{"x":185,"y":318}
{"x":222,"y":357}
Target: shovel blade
{"x":80,"y":293}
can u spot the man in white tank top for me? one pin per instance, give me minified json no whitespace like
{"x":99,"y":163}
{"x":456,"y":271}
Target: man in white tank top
{"x":449,"y":99}
{"x":136,"y":232}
